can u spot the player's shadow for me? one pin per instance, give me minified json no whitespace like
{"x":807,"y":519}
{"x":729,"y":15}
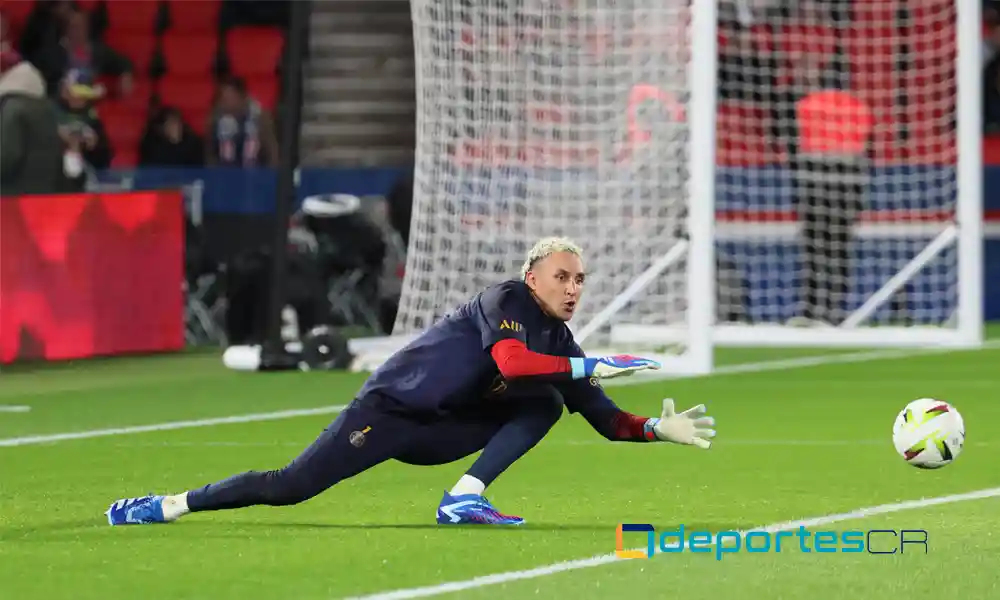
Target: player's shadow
{"x":531,"y":526}
{"x":75,"y":529}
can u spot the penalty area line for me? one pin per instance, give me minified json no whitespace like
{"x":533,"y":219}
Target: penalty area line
{"x":605,"y":559}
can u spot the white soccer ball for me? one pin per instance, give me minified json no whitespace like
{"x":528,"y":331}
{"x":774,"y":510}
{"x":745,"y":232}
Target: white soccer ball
{"x":929,"y":433}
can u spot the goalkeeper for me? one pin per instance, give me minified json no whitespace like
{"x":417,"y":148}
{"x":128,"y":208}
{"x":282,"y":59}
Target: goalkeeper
{"x":492,"y":376}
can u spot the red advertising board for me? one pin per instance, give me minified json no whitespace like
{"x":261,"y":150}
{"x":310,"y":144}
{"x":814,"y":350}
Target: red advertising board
{"x":91,"y":275}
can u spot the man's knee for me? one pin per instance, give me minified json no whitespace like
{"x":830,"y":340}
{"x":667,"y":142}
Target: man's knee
{"x":548,"y":405}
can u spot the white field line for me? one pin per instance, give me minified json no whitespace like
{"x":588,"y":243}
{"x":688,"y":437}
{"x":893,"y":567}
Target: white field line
{"x":14,"y":408}
{"x":757,"y":367}
{"x":597,"y":561}
{"x":80,"y":435}
{"x":786,"y":364}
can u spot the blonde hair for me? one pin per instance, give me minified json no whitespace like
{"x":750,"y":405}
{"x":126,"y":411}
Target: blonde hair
{"x":546,"y":246}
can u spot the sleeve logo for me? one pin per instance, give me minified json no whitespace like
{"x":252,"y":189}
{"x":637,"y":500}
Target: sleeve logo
{"x":511,"y":325}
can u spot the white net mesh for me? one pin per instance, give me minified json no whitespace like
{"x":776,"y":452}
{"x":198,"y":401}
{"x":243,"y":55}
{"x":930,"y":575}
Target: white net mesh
{"x":813,"y":230}
{"x":545,"y":117}
{"x":525,"y":109}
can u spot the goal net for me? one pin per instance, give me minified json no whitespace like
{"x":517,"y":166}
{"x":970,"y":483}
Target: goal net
{"x":753,"y":172}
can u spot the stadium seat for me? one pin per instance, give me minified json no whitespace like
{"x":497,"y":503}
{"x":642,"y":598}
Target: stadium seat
{"x":138,"y":47}
{"x":185,"y":16}
{"x":191,"y":96}
{"x":125,"y":158}
{"x":124,"y":127}
{"x":991,"y":149}
{"x":254,"y":50}
{"x":874,"y":13}
{"x":743,"y":135}
{"x":189,"y":54}
{"x":874,"y":79}
{"x":265,"y":89}
{"x":929,"y":84}
{"x":133,"y":17}
{"x":17,"y":11}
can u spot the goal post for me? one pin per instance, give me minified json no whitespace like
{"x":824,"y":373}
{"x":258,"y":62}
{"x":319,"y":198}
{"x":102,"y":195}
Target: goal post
{"x":700,"y":153}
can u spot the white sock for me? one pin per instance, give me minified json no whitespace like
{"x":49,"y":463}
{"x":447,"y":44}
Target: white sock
{"x":175,"y":507}
{"x":468,"y":485}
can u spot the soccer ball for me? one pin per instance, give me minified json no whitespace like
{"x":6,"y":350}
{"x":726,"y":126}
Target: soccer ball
{"x":928,"y":433}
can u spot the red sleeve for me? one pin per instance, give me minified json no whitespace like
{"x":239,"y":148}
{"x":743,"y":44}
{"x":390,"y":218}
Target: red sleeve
{"x":630,"y":428}
{"x":515,"y":361}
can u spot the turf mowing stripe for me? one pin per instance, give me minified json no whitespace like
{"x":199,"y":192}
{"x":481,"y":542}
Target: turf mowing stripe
{"x":757,"y":367}
{"x":80,"y":435}
{"x":596,"y":561}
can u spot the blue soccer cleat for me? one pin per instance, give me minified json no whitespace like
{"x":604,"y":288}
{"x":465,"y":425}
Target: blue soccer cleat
{"x":136,"y":511}
{"x":471,"y":509}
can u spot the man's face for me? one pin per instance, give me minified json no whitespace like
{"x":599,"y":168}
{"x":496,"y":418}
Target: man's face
{"x":77,"y":28}
{"x":557,"y":282}
{"x":230,"y":101}
{"x":173,"y":129}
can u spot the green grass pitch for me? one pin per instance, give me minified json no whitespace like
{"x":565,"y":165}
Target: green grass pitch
{"x":793,"y":444}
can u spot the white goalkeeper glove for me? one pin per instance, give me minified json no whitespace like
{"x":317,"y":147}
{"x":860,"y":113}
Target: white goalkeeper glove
{"x":691,"y":427}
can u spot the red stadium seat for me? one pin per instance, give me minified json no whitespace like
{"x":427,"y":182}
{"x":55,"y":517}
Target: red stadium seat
{"x":133,"y":17}
{"x":265,"y":90}
{"x":930,"y":85}
{"x":16,"y":12}
{"x":254,"y":50}
{"x":871,"y":51}
{"x":124,"y":128}
{"x":189,"y":17}
{"x":125,"y":158}
{"x":138,"y":47}
{"x":991,"y":149}
{"x":191,"y":96}
{"x":742,"y":130}
{"x":189,"y":54}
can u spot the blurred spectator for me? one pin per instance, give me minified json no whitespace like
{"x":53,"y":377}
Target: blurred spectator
{"x":77,"y":54}
{"x":991,"y":71}
{"x":170,"y":142}
{"x":5,"y":44}
{"x":44,"y":27}
{"x":80,"y":126}
{"x":991,"y":101}
{"x":239,"y":132}
{"x":991,"y":32}
{"x":254,"y":12}
{"x":31,"y":157}
{"x":745,"y":73}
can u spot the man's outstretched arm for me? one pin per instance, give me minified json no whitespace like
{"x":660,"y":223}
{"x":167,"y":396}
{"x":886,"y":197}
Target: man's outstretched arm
{"x":516,"y":361}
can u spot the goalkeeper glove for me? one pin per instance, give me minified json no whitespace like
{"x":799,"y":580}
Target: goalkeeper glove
{"x":605,"y":367}
{"x":689,"y":427}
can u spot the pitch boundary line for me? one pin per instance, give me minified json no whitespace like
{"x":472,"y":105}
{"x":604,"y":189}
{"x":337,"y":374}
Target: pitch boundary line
{"x":605,"y":559}
{"x":756,"y":367}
